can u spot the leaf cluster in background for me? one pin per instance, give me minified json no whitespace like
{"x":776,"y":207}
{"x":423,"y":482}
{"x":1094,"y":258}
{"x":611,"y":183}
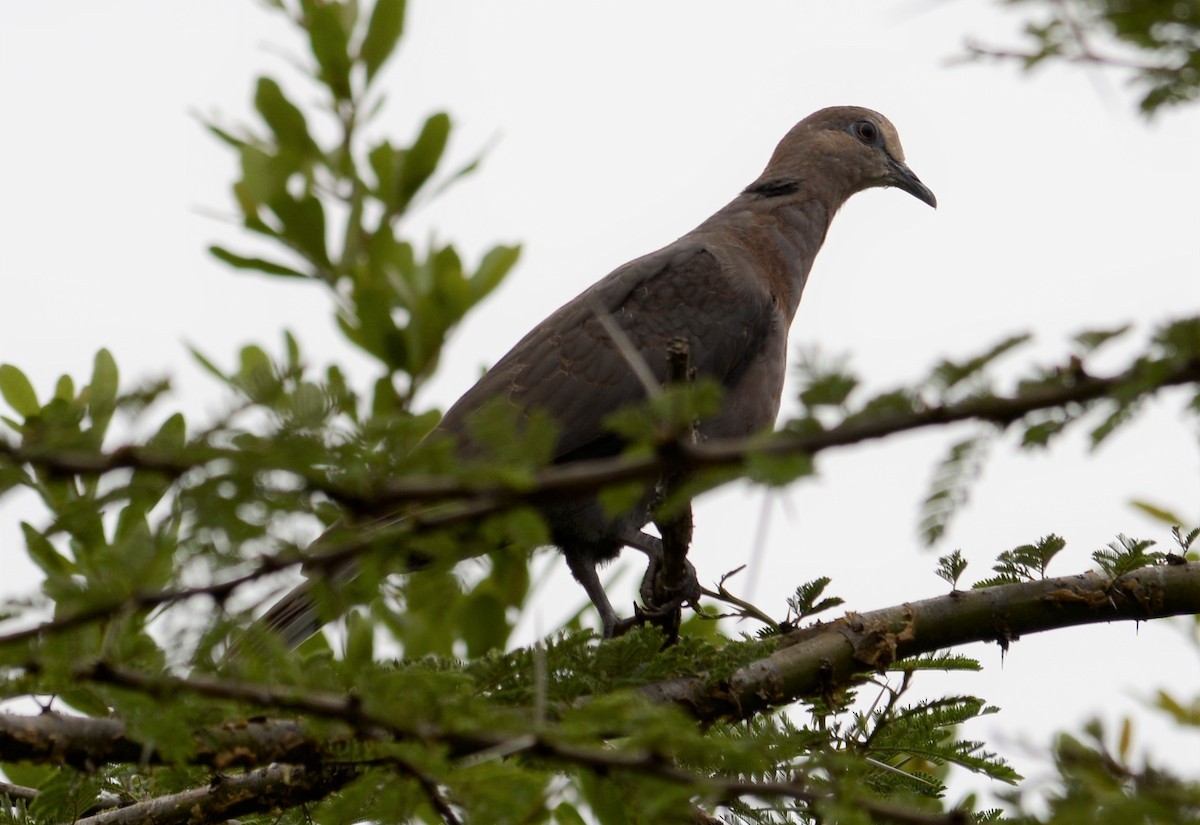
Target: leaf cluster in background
{"x":1156,"y":43}
{"x":330,"y":208}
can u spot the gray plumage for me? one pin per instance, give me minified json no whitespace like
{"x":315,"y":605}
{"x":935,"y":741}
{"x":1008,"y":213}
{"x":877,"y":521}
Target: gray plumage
{"x":730,"y":288}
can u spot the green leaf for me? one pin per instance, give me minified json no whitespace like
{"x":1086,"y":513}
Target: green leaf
{"x":382,"y":159}
{"x":937,"y":661}
{"x":330,"y":47}
{"x":172,"y":435}
{"x":17,"y":391}
{"x":423,"y":156}
{"x":303,"y":221}
{"x":264,"y":177}
{"x":360,"y":640}
{"x":778,"y":470}
{"x":225,"y":136}
{"x":1091,"y":340}
{"x":949,"y":374}
{"x":807,"y":601}
{"x":44,"y":554}
{"x":383,"y":33}
{"x":1125,"y":555}
{"x":450,"y":290}
{"x":28,"y":774}
{"x":102,"y":391}
{"x":484,"y":623}
{"x":951,"y":567}
{"x":208,"y":365}
{"x":256,"y":374}
{"x":64,"y":390}
{"x":567,"y":814}
{"x":951,"y":485}
{"x":1155,"y":512}
{"x":259,"y":264}
{"x":1183,"y":714}
{"x":491,"y":270}
{"x":62,"y":796}
{"x":284,"y":118}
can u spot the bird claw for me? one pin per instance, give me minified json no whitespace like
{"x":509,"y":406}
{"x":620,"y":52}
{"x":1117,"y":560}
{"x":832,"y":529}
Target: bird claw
{"x":654,"y":589}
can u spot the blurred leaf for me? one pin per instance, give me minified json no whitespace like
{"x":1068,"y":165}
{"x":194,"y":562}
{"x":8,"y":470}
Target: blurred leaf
{"x":421,"y":159}
{"x":1156,"y":512}
{"x":1092,"y":340}
{"x":64,"y":390}
{"x":225,"y":136}
{"x":284,"y":118}
{"x":1188,"y":714}
{"x":360,"y":640}
{"x":102,"y":394}
{"x":28,"y":774}
{"x":491,"y":270}
{"x":950,"y":488}
{"x":208,"y":365}
{"x":43,"y":553}
{"x":330,"y":46}
{"x":484,"y":623}
{"x":778,"y":470}
{"x":17,"y":391}
{"x":240,"y":262}
{"x":303,"y":222}
{"x":384,"y":160}
{"x":264,"y":178}
{"x":383,"y":32}
{"x":950,"y":374}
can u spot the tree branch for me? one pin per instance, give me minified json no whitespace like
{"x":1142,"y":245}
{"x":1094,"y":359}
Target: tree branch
{"x":476,"y":502}
{"x":83,"y":743}
{"x":824,"y":656}
{"x":806,"y":662}
{"x":586,"y":476}
{"x":276,"y":787}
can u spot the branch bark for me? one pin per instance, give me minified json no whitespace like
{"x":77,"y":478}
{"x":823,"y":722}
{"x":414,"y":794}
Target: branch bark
{"x":274,"y":788}
{"x":85,"y":743}
{"x":826,"y":656}
{"x":805,"y":662}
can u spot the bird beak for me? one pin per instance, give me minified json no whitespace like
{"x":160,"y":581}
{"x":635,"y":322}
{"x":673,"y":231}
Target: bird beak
{"x":903,"y":178}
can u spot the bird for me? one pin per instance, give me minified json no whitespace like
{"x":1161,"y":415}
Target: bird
{"x":729,"y":289}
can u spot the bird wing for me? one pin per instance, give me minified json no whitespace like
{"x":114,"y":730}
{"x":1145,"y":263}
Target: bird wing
{"x":570,"y":367}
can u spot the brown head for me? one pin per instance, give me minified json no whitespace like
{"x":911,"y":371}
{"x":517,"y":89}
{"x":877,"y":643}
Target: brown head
{"x":838,"y":151}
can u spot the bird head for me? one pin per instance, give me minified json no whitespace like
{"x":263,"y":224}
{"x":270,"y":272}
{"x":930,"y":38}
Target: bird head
{"x":838,"y":151}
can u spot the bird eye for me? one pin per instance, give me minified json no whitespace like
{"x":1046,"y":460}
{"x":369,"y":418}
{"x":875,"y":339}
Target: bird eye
{"x":866,"y":131}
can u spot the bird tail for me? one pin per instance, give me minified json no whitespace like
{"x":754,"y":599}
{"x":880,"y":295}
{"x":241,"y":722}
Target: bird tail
{"x":294,"y":618}
{"x":299,"y":614}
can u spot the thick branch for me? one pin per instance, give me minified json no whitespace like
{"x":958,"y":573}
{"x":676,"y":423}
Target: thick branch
{"x":85,"y":743}
{"x":815,"y":659}
{"x":275,"y":788}
{"x":805,"y":662}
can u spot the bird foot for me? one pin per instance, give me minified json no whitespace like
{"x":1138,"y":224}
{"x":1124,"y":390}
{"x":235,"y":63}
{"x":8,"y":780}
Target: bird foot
{"x":657,"y":593}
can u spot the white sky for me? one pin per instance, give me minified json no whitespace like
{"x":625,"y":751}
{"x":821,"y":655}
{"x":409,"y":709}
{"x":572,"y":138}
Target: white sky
{"x":618,"y":127}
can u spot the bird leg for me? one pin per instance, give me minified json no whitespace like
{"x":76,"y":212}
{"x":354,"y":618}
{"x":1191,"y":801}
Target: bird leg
{"x":585,"y":573}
